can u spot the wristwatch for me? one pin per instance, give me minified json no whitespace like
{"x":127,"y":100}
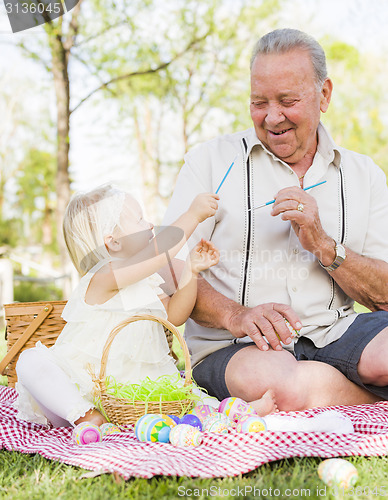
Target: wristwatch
{"x":340,"y":256}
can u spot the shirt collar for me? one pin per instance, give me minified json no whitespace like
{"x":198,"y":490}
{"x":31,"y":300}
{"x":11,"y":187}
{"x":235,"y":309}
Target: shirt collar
{"x":326,"y":145}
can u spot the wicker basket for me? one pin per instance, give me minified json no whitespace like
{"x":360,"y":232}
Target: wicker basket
{"x":30,"y":322}
{"x":27,"y":323}
{"x":125,"y":412}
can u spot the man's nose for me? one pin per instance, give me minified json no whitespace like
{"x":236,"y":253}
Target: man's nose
{"x":274,"y":115}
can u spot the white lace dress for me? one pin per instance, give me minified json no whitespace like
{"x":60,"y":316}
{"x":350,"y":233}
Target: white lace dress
{"x":140,"y":350}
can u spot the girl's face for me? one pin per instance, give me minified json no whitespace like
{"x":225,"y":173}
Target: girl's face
{"x":135,"y":232}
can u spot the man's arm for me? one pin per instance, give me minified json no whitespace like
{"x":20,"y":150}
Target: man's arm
{"x":214,"y":310}
{"x":364,"y":279}
{"x":361,"y":278}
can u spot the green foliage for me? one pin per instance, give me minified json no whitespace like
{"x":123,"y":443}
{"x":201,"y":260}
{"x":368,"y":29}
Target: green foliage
{"x":356,"y":117}
{"x":29,"y":291}
{"x":35,"y":182}
{"x":10,"y":230}
{"x":341,"y":52}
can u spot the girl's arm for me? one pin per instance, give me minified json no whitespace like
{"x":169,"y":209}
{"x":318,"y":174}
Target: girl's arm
{"x":180,"y":305}
{"x":168,"y":242}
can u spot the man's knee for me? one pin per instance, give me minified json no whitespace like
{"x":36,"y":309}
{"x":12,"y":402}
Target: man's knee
{"x":373,"y":366}
{"x":250,"y":373}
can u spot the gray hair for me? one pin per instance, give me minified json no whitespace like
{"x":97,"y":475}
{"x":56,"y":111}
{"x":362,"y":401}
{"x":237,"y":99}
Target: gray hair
{"x":283,"y":40}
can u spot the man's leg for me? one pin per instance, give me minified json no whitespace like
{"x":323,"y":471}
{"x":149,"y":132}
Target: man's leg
{"x":298,"y":385}
{"x":373,"y":364}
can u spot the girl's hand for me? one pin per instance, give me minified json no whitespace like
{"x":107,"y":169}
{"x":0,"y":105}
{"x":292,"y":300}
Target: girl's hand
{"x":204,"y":205}
{"x":203,"y":256}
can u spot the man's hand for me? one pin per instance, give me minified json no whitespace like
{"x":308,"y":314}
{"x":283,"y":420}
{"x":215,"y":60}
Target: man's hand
{"x":265,"y":320}
{"x":305,"y":221}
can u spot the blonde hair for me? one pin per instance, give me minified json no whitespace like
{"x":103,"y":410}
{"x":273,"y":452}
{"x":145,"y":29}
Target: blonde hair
{"x":89,"y":217}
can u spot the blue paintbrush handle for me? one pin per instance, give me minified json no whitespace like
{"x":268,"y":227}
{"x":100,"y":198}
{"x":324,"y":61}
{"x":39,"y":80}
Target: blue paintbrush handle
{"x":273,"y":201}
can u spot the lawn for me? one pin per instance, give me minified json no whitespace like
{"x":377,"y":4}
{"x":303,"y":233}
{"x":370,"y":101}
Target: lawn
{"x":34,"y":477}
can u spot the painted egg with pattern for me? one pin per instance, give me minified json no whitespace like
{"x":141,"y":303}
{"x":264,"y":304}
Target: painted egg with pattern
{"x":109,"y":428}
{"x":185,"y":435}
{"x":338,"y":472}
{"x":201,"y":411}
{"x":191,"y":420}
{"x":251,"y":423}
{"x":235,"y":408}
{"x":152,"y":428}
{"x":170,"y":419}
{"x":217,"y":422}
{"x":86,"y":433}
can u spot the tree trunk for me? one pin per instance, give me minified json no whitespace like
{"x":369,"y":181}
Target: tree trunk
{"x":62,"y":92}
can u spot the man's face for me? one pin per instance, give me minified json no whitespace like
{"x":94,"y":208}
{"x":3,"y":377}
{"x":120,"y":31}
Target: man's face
{"x":286,"y":105}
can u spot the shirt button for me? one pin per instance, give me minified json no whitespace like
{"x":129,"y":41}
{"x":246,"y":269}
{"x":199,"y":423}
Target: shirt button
{"x":296,"y":250}
{"x":291,"y":172}
{"x":294,"y":289}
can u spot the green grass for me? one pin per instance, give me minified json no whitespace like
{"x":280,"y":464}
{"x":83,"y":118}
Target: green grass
{"x":33,"y":477}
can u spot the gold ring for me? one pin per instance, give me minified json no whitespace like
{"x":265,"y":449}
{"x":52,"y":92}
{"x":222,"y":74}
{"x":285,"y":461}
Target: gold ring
{"x":300,"y":207}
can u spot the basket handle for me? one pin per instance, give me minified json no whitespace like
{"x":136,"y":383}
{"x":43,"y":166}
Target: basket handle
{"x":30,"y":330}
{"x":150,"y":317}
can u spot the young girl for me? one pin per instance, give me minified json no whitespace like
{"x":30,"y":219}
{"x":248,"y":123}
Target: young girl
{"x":117,"y":254}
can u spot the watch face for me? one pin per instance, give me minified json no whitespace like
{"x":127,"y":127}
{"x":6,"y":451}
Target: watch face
{"x":340,"y":251}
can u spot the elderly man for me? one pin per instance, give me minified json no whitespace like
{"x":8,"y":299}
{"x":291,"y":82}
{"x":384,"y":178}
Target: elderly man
{"x":306,"y":257}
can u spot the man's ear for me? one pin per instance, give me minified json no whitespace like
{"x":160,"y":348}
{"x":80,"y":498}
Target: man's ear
{"x":326,"y":92}
{"x":112,"y":244}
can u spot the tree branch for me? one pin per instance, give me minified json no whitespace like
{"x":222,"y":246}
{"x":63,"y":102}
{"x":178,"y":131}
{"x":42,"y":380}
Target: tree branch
{"x":139,"y":73}
{"x":73,"y":27}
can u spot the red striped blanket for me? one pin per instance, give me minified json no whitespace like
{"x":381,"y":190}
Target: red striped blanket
{"x":218,"y":456}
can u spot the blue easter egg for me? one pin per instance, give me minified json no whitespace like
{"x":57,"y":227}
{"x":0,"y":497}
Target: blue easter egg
{"x":175,"y":418}
{"x":152,"y":428}
{"x":191,"y":420}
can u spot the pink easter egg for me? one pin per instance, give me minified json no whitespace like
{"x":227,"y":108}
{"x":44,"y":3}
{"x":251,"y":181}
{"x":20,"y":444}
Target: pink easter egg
{"x":201,"y":411}
{"x":251,"y":423}
{"x":185,"y":435}
{"x":86,"y":433}
{"x":235,"y":408}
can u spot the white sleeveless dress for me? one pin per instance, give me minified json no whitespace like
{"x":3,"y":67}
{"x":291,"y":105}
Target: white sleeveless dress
{"x":140,"y":350}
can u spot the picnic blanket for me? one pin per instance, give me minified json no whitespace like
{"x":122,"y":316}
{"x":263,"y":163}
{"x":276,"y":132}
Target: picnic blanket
{"x":218,"y":456}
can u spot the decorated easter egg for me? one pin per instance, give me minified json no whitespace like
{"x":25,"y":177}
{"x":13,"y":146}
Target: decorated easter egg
{"x":235,"y":408}
{"x":170,"y":419}
{"x":201,"y":411}
{"x":185,"y":435}
{"x":175,"y":418}
{"x":251,"y":423}
{"x":86,"y":433}
{"x":108,"y":428}
{"x":191,"y":420}
{"x":152,"y":428}
{"x":338,"y":472}
{"x":217,"y":422}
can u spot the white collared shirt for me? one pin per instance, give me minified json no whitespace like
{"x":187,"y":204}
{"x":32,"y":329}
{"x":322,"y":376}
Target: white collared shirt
{"x":261,"y":258}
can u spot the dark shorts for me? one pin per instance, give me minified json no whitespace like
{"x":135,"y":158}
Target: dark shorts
{"x":344,"y":354}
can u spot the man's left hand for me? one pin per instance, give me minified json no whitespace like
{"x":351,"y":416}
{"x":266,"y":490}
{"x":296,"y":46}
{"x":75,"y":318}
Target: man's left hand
{"x":301,"y":209}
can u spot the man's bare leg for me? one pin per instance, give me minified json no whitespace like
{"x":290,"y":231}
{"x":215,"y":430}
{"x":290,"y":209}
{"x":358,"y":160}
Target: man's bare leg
{"x":297,"y":385}
{"x":373,"y":366}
